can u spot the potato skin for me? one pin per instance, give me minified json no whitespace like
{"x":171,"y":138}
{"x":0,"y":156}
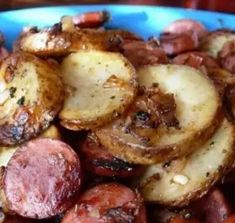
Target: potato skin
{"x":35,"y":97}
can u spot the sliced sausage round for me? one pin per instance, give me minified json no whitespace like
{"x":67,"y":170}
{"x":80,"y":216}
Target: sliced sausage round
{"x":3,"y":53}
{"x":198,"y":60}
{"x":213,"y":208}
{"x":174,"y":44}
{"x":184,"y":25}
{"x":141,"y":53}
{"x":180,"y":219}
{"x":41,"y":178}
{"x":229,"y":100}
{"x":100,"y":162}
{"x":91,"y":19}
{"x":107,"y":203}
{"x":18,"y":219}
{"x":227,"y":56}
{"x":230,"y":219}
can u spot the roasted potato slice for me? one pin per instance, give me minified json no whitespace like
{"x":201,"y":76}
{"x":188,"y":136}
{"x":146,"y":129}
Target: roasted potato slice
{"x":31,"y":95}
{"x":58,"y":42}
{"x":179,"y":182}
{"x":198,"y":111}
{"x":100,"y":85}
{"x":214,"y":42}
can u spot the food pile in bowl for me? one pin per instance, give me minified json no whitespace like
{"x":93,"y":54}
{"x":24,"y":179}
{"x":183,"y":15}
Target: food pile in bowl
{"x":101,"y":126}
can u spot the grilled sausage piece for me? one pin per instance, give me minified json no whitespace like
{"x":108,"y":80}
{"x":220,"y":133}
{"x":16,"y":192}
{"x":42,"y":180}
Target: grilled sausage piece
{"x":141,"y":53}
{"x":18,"y":219}
{"x":101,"y":162}
{"x":229,"y":101}
{"x":107,"y":203}
{"x":198,"y":60}
{"x":41,"y":178}
{"x":185,"y":25}
{"x":179,"y":219}
{"x":3,"y":53}
{"x":174,"y":44}
{"x":227,"y":56}
{"x":213,"y":208}
{"x":230,"y":219}
{"x":88,"y":19}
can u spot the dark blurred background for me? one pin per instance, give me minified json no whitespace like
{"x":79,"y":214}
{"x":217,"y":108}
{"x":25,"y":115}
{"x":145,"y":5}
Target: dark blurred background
{"x":213,"y":5}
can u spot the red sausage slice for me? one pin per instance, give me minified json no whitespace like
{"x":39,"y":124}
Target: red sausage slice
{"x":198,"y":60}
{"x":107,"y":203}
{"x":214,"y":208}
{"x":227,"y":56}
{"x":91,"y":19}
{"x":229,"y":101}
{"x":100,"y":162}
{"x":41,"y":178}
{"x":18,"y":219}
{"x":184,"y":25}
{"x":3,"y":53}
{"x":174,"y":44}
{"x":141,"y":53}
{"x":230,"y":219}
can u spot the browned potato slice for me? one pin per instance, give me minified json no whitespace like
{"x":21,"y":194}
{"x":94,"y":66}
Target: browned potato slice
{"x":100,"y":85}
{"x":215,"y":41}
{"x":197,"y":111}
{"x":55,"y":41}
{"x":31,"y":95}
{"x":179,"y":182}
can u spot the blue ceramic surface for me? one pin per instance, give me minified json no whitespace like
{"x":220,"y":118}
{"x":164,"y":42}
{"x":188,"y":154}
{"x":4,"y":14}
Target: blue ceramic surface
{"x":144,"y":20}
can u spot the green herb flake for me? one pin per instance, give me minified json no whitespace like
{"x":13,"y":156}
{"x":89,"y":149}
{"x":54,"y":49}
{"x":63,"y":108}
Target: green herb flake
{"x":21,"y":101}
{"x":12,"y":91}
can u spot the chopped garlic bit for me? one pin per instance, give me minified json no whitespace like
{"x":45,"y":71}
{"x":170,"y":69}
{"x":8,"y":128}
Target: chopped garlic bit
{"x":4,"y":96}
{"x":94,"y":213}
{"x":180,"y":179}
{"x":67,"y":23}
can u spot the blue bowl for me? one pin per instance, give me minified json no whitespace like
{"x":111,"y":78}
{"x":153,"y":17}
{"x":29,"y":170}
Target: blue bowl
{"x":144,"y":20}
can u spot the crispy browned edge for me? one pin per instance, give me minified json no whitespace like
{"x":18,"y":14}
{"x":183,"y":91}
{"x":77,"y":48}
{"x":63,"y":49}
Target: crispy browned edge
{"x":16,"y":130}
{"x":200,"y":192}
{"x":65,"y":42}
{"x":102,"y":120}
{"x":150,"y":155}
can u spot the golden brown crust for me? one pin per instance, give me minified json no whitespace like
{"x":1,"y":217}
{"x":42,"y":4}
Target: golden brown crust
{"x":148,"y":155}
{"x":30,"y":105}
{"x":48,"y":43}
